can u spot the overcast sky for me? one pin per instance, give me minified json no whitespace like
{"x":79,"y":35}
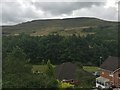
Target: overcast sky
{"x":14,"y":12}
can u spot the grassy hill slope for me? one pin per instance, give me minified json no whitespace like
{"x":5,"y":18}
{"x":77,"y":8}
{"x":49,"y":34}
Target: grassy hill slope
{"x":63,"y":27}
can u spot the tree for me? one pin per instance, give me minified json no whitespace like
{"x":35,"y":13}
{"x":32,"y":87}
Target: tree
{"x":52,"y":82}
{"x":15,"y":69}
{"x":16,"y":62}
{"x":65,"y":85}
{"x":50,"y":70}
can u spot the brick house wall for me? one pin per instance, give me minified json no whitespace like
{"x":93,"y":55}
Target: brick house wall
{"x":114,"y":78}
{"x":106,"y":74}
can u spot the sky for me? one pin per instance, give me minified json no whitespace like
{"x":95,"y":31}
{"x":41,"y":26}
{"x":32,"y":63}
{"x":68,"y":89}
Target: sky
{"x":14,"y":12}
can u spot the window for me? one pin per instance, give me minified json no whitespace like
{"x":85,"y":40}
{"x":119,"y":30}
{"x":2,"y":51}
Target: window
{"x":111,"y":74}
{"x":118,"y":75}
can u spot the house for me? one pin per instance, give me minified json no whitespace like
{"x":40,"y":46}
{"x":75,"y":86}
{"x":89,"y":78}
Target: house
{"x":66,"y":72}
{"x":109,"y":73}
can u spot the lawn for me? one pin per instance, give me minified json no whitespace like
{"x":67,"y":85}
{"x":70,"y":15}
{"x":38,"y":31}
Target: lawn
{"x":86,"y":79}
{"x":91,"y":68}
{"x":40,"y":68}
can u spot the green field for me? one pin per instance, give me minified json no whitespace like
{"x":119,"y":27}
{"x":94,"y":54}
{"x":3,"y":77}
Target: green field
{"x":40,"y":68}
{"x":91,"y":68}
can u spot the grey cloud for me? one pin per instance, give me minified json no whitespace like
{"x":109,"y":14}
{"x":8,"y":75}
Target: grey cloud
{"x":58,"y":8}
{"x":98,"y":12}
{"x":9,"y":12}
{"x":13,"y":12}
{"x":17,"y":12}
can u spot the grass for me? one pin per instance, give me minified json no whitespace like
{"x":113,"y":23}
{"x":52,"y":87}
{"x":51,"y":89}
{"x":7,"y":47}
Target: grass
{"x":85,"y":78}
{"x":91,"y":68}
{"x":64,"y":27}
{"x":40,"y":68}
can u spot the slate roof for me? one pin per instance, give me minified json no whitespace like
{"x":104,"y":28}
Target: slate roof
{"x":66,"y":71}
{"x":111,"y":63}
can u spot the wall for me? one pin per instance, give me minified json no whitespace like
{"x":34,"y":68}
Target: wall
{"x":117,"y":78}
{"x":114,"y":78}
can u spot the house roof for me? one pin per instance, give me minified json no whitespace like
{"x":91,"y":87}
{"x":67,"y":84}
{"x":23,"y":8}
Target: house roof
{"x":111,"y":63}
{"x":66,"y":71}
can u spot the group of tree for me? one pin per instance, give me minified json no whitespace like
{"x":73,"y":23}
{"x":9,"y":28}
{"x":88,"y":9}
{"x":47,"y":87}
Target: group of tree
{"x":17,"y":73}
{"x":59,"y":49}
{"x":20,"y":52}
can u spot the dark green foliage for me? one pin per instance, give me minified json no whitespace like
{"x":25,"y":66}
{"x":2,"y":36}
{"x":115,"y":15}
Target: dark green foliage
{"x":52,"y":82}
{"x":16,"y":62}
{"x":87,"y":80}
{"x":59,"y":49}
{"x":16,"y":70}
{"x":19,"y":52}
{"x":50,"y":70}
{"x":17,"y":73}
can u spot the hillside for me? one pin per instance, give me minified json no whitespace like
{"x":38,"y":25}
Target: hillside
{"x":79,"y":26}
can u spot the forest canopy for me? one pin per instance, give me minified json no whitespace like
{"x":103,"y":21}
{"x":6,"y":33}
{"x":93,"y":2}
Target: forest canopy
{"x":86,"y":50}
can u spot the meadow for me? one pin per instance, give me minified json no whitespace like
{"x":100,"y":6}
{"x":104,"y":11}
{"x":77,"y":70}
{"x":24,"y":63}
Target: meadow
{"x":43,"y":68}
